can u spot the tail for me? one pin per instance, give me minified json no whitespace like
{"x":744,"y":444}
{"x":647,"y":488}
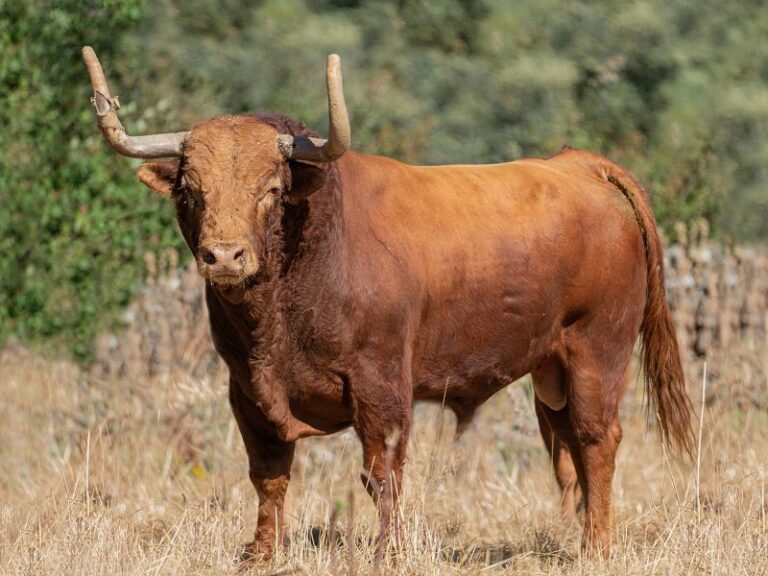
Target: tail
{"x":663,"y":370}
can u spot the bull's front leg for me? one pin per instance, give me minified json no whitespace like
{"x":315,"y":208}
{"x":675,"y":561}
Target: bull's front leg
{"x":269,"y":461}
{"x":382,"y":418}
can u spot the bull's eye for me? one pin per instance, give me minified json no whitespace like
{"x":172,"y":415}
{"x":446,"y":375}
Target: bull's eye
{"x":188,"y":198}
{"x":269,"y":195}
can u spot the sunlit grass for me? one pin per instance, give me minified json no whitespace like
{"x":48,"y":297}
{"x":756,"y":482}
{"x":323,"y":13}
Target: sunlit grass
{"x":149,"y":477}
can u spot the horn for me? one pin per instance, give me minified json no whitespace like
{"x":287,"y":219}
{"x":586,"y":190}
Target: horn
{"x":316,"y":149}
{"x":150,"y":146}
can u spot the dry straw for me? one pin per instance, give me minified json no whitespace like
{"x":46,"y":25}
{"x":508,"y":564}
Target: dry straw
{"x":136,"y":467}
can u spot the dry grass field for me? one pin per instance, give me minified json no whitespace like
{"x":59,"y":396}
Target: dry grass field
{"x":149,"y":477}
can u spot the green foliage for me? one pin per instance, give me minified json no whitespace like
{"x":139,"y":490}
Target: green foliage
{"x":75,"y":223}
{"x":676,"y":90}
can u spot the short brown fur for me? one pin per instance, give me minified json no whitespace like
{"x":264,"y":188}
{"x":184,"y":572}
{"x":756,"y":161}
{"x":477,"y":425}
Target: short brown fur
{"x":366,"y":284}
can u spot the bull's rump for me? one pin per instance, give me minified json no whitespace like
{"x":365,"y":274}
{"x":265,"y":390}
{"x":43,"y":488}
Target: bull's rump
{"x":484,"y":266}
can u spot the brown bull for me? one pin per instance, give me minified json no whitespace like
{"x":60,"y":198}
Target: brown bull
{"x":342,"y":290}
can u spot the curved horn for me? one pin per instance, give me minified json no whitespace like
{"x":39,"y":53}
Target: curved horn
{"x":316,"y":149}
{"x":151,"y":146}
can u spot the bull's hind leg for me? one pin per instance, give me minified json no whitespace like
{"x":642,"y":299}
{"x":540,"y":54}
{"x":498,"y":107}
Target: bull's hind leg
{"x":269,"y":461}
{"x":564,"y":467}
{"x":594,"y":377}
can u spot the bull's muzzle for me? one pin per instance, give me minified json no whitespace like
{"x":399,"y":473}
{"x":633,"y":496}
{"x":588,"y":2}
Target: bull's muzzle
{"x":226,"y":262}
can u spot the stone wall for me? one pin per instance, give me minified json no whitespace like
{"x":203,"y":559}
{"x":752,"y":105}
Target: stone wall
{"x":718,"y":292}
{"x":165,"y":329}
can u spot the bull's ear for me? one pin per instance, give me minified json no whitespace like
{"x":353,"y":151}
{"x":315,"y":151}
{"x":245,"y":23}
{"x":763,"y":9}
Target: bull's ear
{"x":305,"y":179}
{"x":159,"y":176}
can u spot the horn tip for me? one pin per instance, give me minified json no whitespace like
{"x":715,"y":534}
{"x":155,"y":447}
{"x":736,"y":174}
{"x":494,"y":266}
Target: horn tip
{"x":89,"y":55}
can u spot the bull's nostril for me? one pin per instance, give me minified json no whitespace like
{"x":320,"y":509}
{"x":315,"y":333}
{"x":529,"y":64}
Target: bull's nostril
{"x":238,"y":254}
{"x":209,"y":257}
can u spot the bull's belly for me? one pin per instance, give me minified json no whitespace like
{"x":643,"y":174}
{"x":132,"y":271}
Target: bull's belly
{"x":470,"y":351}
{"x":464,"y":386}
{"x":466,"y":380}
{"x":463,"y":366}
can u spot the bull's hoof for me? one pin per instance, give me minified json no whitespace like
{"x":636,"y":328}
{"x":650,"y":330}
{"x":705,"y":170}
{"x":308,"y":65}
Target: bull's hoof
{"x":596,"y":548}
{"x":255,"y":553}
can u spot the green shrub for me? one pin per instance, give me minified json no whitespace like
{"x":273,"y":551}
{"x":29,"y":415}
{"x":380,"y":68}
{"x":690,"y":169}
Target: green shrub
{"x":74,"y":222}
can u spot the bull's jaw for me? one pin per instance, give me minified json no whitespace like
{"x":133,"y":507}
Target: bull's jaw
{"x":234,"y":294}
{"x":231,"y":287}
{"x":234,"y":291}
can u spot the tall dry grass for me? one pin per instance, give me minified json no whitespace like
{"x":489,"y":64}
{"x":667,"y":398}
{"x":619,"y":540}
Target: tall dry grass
{"x":148,"y":476}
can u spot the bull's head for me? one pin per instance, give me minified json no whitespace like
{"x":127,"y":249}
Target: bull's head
{"x":229,"y":174}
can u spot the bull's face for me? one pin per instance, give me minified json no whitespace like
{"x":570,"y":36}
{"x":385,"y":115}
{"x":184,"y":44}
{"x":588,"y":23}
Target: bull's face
{"x":232,"y":177}
{"x":228,"y":187}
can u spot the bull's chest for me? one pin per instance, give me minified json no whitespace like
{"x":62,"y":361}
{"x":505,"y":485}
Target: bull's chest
{"x":298,"y":400}
{"x":300,"y":395}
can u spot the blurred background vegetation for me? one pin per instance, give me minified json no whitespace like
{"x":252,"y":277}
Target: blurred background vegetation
{"x":675,"y":90}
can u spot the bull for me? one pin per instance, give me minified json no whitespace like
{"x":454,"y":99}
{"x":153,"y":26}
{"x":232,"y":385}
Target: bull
{"x":342,"y":287}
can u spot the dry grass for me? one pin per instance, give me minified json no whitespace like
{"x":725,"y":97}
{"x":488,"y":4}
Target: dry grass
{"x":145,"y":477}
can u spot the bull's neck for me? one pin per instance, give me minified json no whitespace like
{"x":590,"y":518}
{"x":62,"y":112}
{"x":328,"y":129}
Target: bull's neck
{"x":312,"y":241}
{"x":302,"y":277}
{"x":292,"y":313}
